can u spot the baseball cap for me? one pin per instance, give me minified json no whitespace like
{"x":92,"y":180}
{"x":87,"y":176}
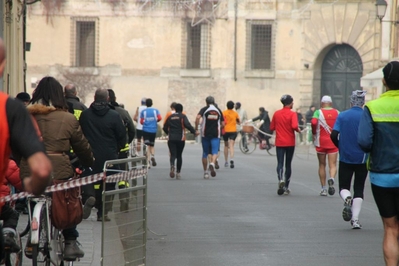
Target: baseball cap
{"x":326,"y":99}
{"x":143,"y":100}
{"x":286,"y":99}
{"x":391,"y":71}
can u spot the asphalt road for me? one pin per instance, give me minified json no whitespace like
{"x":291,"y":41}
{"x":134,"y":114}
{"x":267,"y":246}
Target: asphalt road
{"x":237,"y":218}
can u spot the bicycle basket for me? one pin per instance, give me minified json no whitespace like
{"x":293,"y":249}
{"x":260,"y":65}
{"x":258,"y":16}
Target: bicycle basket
{"x":247,"y":129}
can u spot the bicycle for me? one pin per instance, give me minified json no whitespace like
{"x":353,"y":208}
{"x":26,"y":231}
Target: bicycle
{"x":250,"y":140}
{"x":14,"y":258}
{"x":47,"y":242}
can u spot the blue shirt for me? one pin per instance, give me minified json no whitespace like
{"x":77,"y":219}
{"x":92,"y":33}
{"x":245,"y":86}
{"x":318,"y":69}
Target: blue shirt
{"x":347,"y":124}
{"x":151,"y":116}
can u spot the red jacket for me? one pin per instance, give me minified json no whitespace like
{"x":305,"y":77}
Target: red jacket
{"x":12,"y":178}
{"x":285,"y":123}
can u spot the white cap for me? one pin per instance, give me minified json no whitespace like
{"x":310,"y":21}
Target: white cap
{"x":326,"y":99}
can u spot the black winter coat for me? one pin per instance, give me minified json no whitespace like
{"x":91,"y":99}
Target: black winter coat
{"x":105,"y":131}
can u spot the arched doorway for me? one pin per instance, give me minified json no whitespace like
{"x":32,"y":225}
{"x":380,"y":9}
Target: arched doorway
{"x":342,"y":69}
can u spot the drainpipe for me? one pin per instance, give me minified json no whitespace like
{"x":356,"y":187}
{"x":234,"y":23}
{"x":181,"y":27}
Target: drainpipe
{"x":235,"y":38}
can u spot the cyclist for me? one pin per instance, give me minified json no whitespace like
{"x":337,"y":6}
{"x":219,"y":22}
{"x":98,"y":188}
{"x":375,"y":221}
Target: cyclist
{"x":285,"y":123}
{"x":60,"y":131}
{"x":264,"y":125}
{"x":18,"y":134}
{"x":9,"y":215}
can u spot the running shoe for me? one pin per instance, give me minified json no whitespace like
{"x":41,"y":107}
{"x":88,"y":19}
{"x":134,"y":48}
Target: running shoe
{"x":331,"y":189}
{"x":287,"y":191}
{"x":323,"y":192}
{"x":212,"y":169}
{"x":231,"y":164}
{"x":178,"y":176}
{"x":217,"y":164}
{"x":172,"y":171}
{"x":154,"y":163}
{"x":355,"y":224}
{"x":280,"y":190}
{"x":347,"y":211}
{"x":206,"y":175}
{"x":226,"y":164}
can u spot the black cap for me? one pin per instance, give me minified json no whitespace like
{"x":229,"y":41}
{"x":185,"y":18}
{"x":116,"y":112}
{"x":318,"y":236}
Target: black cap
{"x":391,"y":71}
{"x":23,"y":96}
{"x":286,"y":99}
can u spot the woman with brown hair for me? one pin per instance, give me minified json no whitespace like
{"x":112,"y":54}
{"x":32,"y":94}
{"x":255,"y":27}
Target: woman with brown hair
{"x":60,"y":131}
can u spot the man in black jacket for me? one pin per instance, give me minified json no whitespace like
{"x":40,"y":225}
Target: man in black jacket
{"x":70,"y":93}
{"x":104,"y":129}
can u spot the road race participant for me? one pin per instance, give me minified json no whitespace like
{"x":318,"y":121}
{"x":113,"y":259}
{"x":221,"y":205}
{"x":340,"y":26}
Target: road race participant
{"x":231,"y":119}
{"x":322,"y":123}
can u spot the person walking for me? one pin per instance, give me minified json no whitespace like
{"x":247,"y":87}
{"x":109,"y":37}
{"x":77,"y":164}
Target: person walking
{"x":212,"y":122}
{"x":60,"y":131}
{"x":352,"y":160}
{"x":264,"y":125}
{"x":377,"y":135}
{"x":106,"y":133}
{"x":285,"y":123}
{"x":139,"y":128}
{"x":301,"y":123}
{"x":322,"y":123}
{"x":308,"y":120}
{"x":175,"y":127}
{"x":23,"y":97}
{"x":242,"y":114}
{"x":231,"y":120}
{"x":149,"y":118}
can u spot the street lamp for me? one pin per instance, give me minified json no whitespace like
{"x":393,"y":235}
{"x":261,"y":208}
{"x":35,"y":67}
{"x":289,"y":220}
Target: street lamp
{"x":381,"y":7}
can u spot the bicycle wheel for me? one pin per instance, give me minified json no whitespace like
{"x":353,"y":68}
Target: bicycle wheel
{"x":40,"y":251}
{"x":272,"y":150}
{"x":247,"y":143}
{"x":14,"y":258}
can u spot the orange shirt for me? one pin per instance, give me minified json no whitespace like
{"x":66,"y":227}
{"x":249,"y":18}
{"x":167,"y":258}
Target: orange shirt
{"x":231,"y":118}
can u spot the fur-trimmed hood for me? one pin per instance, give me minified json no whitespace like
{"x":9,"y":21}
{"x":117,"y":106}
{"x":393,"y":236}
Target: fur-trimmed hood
{"x":40,"y":109}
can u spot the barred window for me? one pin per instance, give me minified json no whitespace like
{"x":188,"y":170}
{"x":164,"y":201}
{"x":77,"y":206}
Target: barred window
{"x":84,"y":42}
{"x":198,"y":46}
{"x":259,"y":45}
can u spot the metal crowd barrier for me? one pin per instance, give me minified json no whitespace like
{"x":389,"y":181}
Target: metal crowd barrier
{"x":124,"y":237}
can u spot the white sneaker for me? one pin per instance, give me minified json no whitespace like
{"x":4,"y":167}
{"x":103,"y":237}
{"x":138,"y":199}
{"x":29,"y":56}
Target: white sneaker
{"x":280,"y":190}
{"x":287,"y":191}
{"x":206,"y":175}
{"x":355,"y":224}
{"x":323,"y":192}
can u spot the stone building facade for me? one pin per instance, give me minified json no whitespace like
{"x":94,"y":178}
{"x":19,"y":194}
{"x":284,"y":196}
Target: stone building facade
{"x":252,"y":51}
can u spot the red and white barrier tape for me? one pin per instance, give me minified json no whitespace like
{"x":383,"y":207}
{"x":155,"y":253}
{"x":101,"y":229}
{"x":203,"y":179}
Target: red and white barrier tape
{"x":122,"y":176}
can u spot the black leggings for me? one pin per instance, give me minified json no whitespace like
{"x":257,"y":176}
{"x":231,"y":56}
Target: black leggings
{"x":288,"y":152}
{"x":176,"y":148}
{"x":345,"y":174}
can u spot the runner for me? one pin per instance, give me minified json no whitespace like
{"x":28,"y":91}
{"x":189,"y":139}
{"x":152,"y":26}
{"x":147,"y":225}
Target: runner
{"x":175,"y":127}
{"x":212,"y":122}
{"x":231,"y":119}
{"x":285,"y":123}
{"x":352,"y":160}
{"x":322,"y":123}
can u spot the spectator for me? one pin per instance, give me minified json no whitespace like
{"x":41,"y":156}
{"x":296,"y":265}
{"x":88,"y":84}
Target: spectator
{"x":309,"y":114}
{"x":104,"y":129}
{"x":242,"y":114}
{"x":23,"y":97}
{"x":71,"y":92}
{"x":60,"y":131}
{"x":301,"y":123}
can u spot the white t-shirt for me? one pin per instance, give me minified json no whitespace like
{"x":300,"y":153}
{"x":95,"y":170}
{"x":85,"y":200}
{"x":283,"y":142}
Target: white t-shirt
{"x":139,"y":125}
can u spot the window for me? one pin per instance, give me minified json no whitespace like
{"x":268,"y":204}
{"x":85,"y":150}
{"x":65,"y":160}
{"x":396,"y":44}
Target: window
{"x":198,"y":46}
{"x":259,"y":45}
{"x":84,"y":42}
